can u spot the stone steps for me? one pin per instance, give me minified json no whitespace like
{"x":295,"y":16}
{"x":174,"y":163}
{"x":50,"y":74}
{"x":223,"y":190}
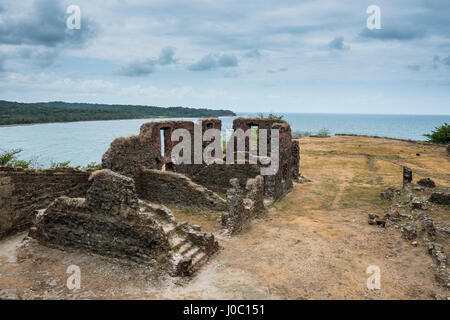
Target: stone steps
{"x":187,"y":255}
{"x":169,"y":229}
{"x":184,"y":248}
{"x":177,"y":242}
{"x":192,"y":258}
{"x":198,"y":261}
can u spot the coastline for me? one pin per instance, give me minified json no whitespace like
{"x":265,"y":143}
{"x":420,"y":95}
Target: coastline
{"x":54,"y":122}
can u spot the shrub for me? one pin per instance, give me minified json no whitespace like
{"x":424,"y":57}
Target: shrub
{"x":272,"y":116}
{"x":21,"y":164}
{"x":299,"y":134}
{"x":8,"y":157}
{"x":62,"y":164}
{"x":94,"y":165}
{"x":440,"y":134}
{"x":323,"y":133}
{"x":275,"y":117}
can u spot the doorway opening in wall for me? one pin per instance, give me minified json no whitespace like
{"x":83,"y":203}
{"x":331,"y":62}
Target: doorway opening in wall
{"x":163,"y":134}
{"x":254,"y":136}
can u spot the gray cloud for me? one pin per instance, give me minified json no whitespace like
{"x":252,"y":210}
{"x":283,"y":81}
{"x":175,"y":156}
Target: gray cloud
{"x":139,"y":68}
{"x":446,"y":61}
{"x":413,"y":67}
{"x":2,"y":62}
{"x":210,"y":61}
{"x":42,"y":57}
{"x":278,"y":70}
{"x":167,"y":56}
{"x":44,"y":24}
{"x":337,"y":44}
{"x":403,"y":33}
{"x":253,"y":54}
{"x":148,"y":66}
{"x":437,"y":60}
{"x":227,"y":61}
{"x":206,"y":63}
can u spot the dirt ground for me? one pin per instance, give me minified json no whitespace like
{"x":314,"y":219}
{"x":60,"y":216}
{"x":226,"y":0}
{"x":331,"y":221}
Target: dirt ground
{"x":315,"y":243}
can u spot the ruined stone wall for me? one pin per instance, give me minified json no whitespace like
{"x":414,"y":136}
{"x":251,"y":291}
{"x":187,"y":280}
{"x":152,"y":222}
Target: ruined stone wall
{"x":113,"y":222}
{"x":244,"y":204}
{"x":276,"y":185}
{"x":168,"y":187}
{"x":216,"y":177}
{"x":130,"y":156}
{"x":295,"y":160}
{"x":108,"y":221}
{"x":23,"y":191}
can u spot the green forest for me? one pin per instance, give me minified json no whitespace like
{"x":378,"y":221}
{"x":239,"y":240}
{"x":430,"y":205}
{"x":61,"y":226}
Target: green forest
{"x":42,"y":112}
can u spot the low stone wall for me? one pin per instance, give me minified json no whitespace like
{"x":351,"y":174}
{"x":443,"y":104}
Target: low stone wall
{"x":24,"y":191}
{"x":167,"y":187}
{"x":216,"y":177}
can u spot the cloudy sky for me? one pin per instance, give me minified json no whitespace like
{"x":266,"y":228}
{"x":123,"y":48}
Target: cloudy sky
{"x":248,"y":56}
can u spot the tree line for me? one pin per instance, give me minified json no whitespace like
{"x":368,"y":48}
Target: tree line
{"x":42,"y":112}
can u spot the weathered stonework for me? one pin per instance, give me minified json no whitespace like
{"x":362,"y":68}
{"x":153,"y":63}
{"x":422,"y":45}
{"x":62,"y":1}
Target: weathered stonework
{"x":145,"y":153}
{"x":255,"y":196}
{"x":243,"y":204}
{"x":407,"y":177}
{"x":129,"y":155}
{"x":233,"y":220}
{"x":112,"y":221}
{"x":168,"y":187}
{"x":276,"y":185}
{"x":440,"y":198}
{"x":216,"y":177}
{"x":426,"y":182}
{"x":24,"y":191}
{"x":295,"y":160}
{"x":108,"y":221}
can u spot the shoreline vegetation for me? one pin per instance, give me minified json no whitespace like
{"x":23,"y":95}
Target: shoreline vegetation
{"x":17,"y":113}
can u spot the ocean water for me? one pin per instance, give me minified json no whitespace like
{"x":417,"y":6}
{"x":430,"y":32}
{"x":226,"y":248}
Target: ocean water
{"x":85,"y":142}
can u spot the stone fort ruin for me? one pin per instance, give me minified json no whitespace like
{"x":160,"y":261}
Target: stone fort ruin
{"x":120,"y":211}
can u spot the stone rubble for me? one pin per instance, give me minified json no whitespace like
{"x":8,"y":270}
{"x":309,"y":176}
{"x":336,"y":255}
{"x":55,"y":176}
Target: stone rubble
{"x":426,"y":182}
{"x":440,"y":198}
{"x":418,"y":229}
{"x":390,"y":193}
{"x":418,"y":203}
{"x":407,"y":177}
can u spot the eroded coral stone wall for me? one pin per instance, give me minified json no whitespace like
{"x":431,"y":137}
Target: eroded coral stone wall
{"x":276,"y":185}
{"x":168,"y":187}
{"x":24,"y":191}
{"x":244,"y":204}
{"x":130,"y":156}
{"x":216,"y":177}
{"x":108,"y":221}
